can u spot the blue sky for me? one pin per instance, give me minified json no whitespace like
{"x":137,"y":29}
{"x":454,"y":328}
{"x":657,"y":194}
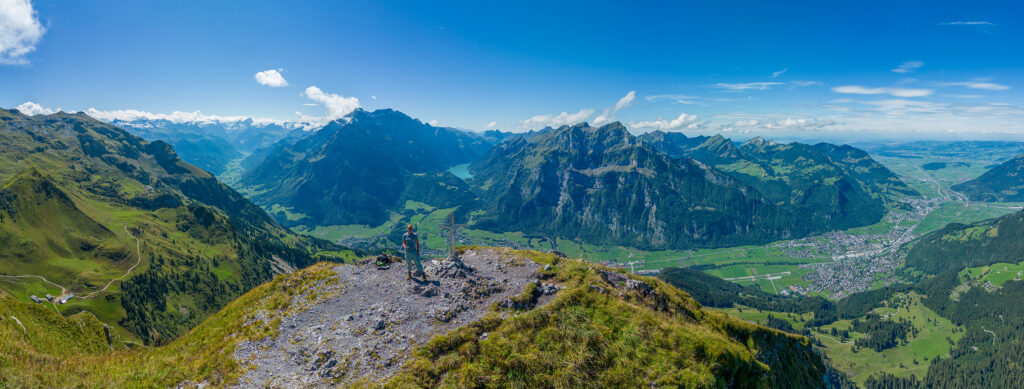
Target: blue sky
{"x":925,"y":69}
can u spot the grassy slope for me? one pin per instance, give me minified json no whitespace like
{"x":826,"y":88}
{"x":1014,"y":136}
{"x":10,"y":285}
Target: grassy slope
{"x":73,"y":201}
{"x":584,"y":337}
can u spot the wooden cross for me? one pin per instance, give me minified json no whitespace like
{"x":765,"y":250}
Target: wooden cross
{"x":451,"y":226}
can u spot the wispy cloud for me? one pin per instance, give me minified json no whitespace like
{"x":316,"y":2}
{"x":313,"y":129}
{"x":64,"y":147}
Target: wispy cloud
{"x":908,"y":67}
{"x":971,"y":23}
{"x":806,"y":83}
{"x":683,"y":120}
{"x":984,"y":27}
{"x":271,"y":78}
{"x":608,"y":114}
{"x":747,"y":86}
{"x":492,"y":124}
{"x":898,"y":92}
{"x":779,"y":73}
{"x":20,"y":31}
{"x":681,"y":99}
{"x":977,"y":85}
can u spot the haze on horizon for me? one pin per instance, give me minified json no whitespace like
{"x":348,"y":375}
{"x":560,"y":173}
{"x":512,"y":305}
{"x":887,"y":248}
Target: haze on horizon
{"x":800,"y":70}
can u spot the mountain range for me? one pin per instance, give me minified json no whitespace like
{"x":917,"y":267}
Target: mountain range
{"x":212,"y":144}
{"x":358,"y":169}
{"x":603,"y":185}
{"x":83,"y":202}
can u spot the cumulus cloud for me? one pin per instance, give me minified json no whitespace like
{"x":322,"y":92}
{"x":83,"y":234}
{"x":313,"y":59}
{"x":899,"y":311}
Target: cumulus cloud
{"x":271,"y":78}
{"x":134,"y":115}
{"x":779,"y":73}
{"x":337,"y":105}
{"x":131,"y":115}
{"x":908,"y":67}
{"x":31,"y":109}
{"x":977,"y":85}
{"x":898,"y":92}
{"x":682,"y":121}
{"x":747,"y":86}
{"x":561,"y":119}
{"x":775,"y":123}
{"x":20,"y":31}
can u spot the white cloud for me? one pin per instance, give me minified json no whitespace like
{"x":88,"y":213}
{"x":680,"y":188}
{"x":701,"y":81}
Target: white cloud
{"x":898,"y":92}
{"x":561,"y":119}
{"x":806,"y":83}
{"x":271,"y":78}
{"x":904,"y":107}
{"x":432,"y":122}
{"x":31,"y":109}
{"x":608,"y":114}
{"x":337,"y":105}
{"x":373,"y":97}
{"x":800,"y":124}
{"x":977,"y":85}
{"x":130,"y":115}
{"x":779,"y":73}
{"x":20,"y":31}
{"x":974,"y":23}
{"x":680,"y":99}
{"x":908,"y":67}
{"x":747,"y":86}
{"x":684,"y":120}
{"x":626,"y":100}
{"x":492,"y":124}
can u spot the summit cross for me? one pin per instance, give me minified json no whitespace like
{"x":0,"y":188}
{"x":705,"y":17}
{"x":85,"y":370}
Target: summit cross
{"x":451,"y":226}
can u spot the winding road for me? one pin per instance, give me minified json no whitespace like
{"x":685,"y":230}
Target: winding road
{"x":64,"y":291}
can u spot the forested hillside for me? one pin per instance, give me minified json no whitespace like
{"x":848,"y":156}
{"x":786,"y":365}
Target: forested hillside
{"x":1004,"y":182}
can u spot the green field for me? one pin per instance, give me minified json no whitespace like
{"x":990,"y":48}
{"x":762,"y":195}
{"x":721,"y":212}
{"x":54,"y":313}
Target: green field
{"x":997,"y":273}
{"x":903,"y":360}
{"x":760,"y":317}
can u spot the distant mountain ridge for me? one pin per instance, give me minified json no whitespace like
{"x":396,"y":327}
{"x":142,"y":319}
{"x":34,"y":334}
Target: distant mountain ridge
{"x":835,"y":186}
{"x":602,"y":184}
{"x":558,"y":182}
{"x":1004,"y":182}
{"x":213,"y":144}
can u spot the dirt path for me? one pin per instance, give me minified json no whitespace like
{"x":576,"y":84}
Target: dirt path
{"x":64,"y":291}
{"x":373,"y":319}
{"x":138,"y":260}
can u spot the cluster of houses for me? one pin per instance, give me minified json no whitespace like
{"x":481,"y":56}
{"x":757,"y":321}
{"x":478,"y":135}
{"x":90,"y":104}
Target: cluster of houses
{"x":62,"y":300}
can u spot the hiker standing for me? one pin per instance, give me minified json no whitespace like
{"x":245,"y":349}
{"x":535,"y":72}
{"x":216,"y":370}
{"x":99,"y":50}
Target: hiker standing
{"x":411,"y":244}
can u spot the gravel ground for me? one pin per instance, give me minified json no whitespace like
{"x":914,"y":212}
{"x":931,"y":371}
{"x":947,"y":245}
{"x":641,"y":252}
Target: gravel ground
{"x":374,"y":318}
